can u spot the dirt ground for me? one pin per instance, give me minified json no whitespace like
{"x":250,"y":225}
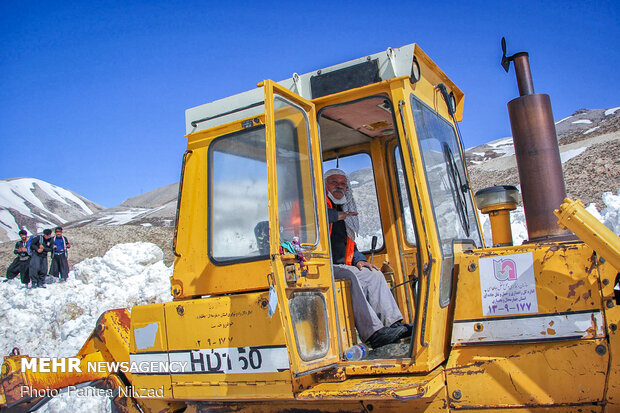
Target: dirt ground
{"x":88,"y":242}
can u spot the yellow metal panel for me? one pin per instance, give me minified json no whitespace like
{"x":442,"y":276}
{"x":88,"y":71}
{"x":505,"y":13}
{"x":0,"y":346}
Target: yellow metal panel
{"x":223,"y":321}
{"x":608,"y":275}
{"x":231,"y":321}
{"x":194,"y":274}
{"x":526,"y":375}
{"x":197,"y":387}
{"x":431,"y":73}
{"x":150,"y":317}
{"x":348,"y":333}
{"x":565,"y":281}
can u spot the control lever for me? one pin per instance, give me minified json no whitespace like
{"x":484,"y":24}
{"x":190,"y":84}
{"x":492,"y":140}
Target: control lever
{"x":373,"y":245}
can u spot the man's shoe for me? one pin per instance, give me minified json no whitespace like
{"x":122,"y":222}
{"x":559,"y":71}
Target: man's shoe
{"x":386,"y":335}
{"x":408,"y":331}
{"x":42,"y":286}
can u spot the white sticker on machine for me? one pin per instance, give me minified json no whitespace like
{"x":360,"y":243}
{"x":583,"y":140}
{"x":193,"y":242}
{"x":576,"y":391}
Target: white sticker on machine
{"x":508,"y":285}
{"x":145,"y":336}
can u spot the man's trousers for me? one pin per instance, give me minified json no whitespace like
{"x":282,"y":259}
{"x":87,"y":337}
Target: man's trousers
{"x":374,"y":306}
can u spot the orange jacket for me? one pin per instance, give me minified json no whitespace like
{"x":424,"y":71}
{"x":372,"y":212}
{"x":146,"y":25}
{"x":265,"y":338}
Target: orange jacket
{"x":350,"y":249}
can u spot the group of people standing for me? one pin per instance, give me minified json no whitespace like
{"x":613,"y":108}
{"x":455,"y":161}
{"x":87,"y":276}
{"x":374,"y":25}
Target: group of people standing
{"x":31,"y":261}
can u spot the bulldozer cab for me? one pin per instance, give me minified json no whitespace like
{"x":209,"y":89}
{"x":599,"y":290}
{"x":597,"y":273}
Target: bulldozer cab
{"x":258,"y":320}
{"x":253,"y":216}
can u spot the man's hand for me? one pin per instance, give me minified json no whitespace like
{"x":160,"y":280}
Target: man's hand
{"x":343,"y":215}
{"x":54,"y":246}
{"x":362,"y":264}
{"x":40,"y":249}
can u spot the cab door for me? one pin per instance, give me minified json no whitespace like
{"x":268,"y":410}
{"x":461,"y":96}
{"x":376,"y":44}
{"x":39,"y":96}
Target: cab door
{"x":298,"y":235}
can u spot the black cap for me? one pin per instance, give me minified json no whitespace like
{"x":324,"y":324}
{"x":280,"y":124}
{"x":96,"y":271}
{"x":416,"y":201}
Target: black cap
{"x":23,"y":231}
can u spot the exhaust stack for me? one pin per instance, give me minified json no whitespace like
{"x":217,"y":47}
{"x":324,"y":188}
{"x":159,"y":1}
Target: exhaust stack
{"x":537,"y":154}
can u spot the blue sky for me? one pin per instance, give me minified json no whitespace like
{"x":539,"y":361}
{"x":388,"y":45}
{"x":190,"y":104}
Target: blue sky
{"x":93,"y":94}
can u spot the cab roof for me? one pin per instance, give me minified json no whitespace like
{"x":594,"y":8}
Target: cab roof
{"x":377,"y":67}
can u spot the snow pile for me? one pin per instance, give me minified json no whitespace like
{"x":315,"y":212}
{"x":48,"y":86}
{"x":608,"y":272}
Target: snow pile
{"x":610,"y":216}
{"x":571,"y":153}
{"x":591,"y":130}
{"x":55,"y":322}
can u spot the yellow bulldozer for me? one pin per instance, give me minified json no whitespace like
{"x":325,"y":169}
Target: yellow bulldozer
{"x":256,"y":326}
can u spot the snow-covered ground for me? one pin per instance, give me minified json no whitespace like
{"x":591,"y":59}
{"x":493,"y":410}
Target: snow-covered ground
{"x":56,"y":321}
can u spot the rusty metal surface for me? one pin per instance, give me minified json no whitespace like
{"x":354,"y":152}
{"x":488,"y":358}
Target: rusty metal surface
{"x":608,"y":274}
{"x":437,"y":404}
{"x":539,"y":164}
{"x":527,"y":375}
{"x":378,"y":388}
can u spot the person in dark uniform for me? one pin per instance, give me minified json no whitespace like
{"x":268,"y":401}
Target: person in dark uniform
{"x":19,"y":266}
{"x":60,"y":265}
{"x":39,"y":247}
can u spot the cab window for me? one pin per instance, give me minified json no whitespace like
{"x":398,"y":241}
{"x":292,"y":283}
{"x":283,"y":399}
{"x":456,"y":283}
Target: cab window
{"x":403,"y":197}
{"x":296,"y":202}
{"x":238,"y":198}
{"x":445,"y":174}
{"x":447,"y":183}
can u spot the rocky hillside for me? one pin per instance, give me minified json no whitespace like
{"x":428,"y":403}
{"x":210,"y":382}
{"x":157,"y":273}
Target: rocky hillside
{"x":589,"y":148}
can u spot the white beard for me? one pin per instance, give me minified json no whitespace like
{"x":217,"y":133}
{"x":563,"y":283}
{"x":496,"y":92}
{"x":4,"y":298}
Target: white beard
{"x":340,"y":201}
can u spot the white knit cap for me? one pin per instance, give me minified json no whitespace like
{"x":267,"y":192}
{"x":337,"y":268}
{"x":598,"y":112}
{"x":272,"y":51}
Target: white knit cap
{"x":351,"y":222}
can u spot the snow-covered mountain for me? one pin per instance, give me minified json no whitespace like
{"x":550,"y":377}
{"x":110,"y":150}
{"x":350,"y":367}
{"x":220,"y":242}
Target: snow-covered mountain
{"x":154,"y":208}
{"x":581,"y":126}
{"x":589,"y":143}
{"x":32,"y":204}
